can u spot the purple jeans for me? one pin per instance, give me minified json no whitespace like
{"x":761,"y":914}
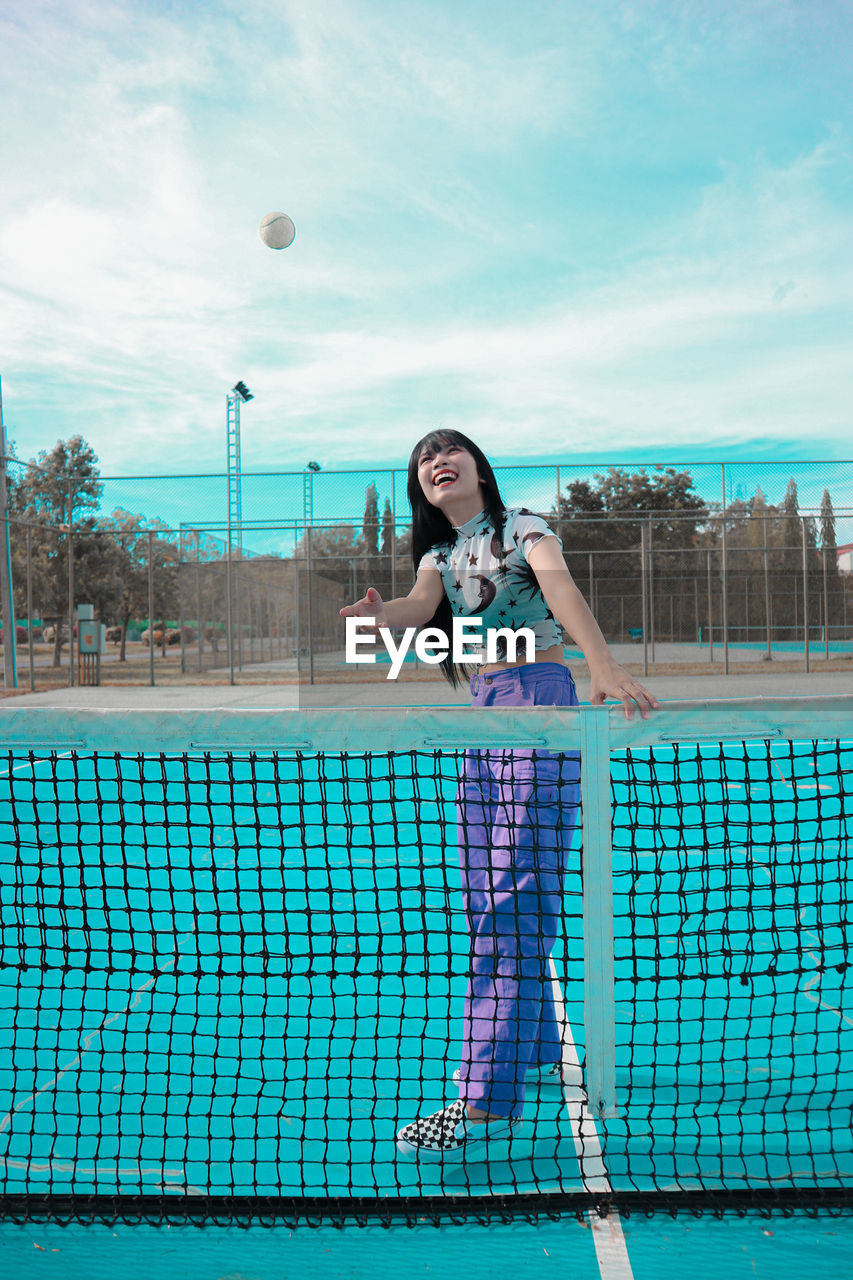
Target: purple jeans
{"x":518,"y":811}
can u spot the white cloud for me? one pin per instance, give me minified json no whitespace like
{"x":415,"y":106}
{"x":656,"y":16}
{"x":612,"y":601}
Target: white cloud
{"x":426,"y":281}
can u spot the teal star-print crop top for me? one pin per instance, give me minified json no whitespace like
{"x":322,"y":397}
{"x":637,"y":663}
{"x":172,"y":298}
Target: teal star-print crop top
{"x":493,"y":580}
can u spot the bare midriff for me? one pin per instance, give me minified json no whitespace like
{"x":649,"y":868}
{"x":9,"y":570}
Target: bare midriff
{"x":553,"y":654}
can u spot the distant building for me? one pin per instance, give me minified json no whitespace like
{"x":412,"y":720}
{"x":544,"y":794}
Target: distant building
{"x":845,"y":558}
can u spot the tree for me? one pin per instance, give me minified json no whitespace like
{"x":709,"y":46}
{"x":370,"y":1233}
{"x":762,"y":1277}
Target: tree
{"x":792,"y":530}
{"x":370,"y":526}
{"x":833,"y":585}
{"x":668,"y":497}
{"x":147,"y":542}
{"x":387,"y":528}
{"x":333,"y":551}
{"x":203,"y":570}
{"x":602,"y":525}
{"x":337,"y":552}
{"x":165,"y":562}
{"x":754,"y":532}
{"x":827,"y":526}
{"x":131,"y":541}
{"x":55,"y":497}
{"x":605,"y":517}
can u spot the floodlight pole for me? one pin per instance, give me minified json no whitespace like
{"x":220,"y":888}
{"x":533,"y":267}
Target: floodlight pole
{"x":7,"y":604}
{"x":239,"y":394}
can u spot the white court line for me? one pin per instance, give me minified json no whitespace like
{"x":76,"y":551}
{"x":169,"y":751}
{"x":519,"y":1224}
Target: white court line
{"x":88,"y":1041}
{"x":814,"y":997}
{"x":29,"y":764}
{"x":96,"y":1169}
{"x":608,"y":1237}
{"x":806,"y":990}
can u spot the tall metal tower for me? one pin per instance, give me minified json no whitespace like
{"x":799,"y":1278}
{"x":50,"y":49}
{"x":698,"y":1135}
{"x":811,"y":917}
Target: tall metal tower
{"x":307,"y":499}
{"x":239,"y":394}
{"x":311,"y":469}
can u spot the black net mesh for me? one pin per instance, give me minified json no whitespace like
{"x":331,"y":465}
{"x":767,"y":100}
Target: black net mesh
{"x":734,"y":992}
{"x":237,"y":976}
{"x":227,"y":980}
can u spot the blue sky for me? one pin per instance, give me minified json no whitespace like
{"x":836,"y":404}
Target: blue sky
{"x":573,"y":230}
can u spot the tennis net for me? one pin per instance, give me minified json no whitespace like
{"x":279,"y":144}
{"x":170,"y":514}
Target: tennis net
{"x":234,"y":955}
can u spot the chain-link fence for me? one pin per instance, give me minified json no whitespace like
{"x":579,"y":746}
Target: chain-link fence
{"x":742,"y":565}
{"x":328,"y":498}
{"x":174,"y":603}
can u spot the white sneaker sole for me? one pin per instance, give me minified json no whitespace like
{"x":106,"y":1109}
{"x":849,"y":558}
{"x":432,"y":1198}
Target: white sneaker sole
{"x":546,"y":1079}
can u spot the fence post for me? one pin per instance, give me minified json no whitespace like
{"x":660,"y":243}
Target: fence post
{"x":181,"y":598}
{"x":651,"y":589}
{"x":805,"y":595}
{"x":298,"y":577}
{"x":557,"y":504}
{"x":725,"y":583}
{"x":7,"y":604}
{"x":237,"y":602}
{"x":766,"y":590}
{"x":30,"y":608}
{"x":310,"y":608}
{"x":393,"y":540}
{"x":229,"y":615}
{"x":199,"y":622}
{"x":251,"y":619}
{"x":151,"y":608}
{"x":599,"y":982}
{"x":825,"y":607}
{"x":645,"y":595}
{"x":71,"y":586}
{"x":710,"y":611}
{"x":843,"y":609}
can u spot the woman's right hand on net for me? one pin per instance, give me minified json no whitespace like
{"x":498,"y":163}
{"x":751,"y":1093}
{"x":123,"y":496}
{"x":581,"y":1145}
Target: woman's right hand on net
{"x":370,"y":606}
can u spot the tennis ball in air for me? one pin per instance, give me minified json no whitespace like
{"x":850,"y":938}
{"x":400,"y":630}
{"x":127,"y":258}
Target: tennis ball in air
{"x":277,"y":230}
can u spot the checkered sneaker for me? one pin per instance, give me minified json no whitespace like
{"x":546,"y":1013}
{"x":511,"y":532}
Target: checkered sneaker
{"x":450,"y":1135}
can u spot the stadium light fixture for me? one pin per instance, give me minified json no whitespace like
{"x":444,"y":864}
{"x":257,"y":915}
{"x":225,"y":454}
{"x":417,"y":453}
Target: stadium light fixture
{"x":243,"y":392}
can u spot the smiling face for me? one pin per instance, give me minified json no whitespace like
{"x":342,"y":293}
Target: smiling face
{"x":448,"y":477}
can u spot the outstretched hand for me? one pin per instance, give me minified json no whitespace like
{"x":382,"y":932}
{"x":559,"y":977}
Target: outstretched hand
{"x":369,"y":606}
{"x":613,"y":681}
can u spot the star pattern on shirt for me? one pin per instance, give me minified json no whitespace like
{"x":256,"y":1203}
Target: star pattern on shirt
{"x":527,"y":583}
{"x":493,"y":578}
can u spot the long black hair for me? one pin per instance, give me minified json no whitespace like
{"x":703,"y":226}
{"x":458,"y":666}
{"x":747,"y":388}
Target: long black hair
{"x":431,"y":527}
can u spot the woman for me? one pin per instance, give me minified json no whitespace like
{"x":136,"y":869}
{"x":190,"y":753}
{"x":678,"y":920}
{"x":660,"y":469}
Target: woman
{"x":517,"y":810}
